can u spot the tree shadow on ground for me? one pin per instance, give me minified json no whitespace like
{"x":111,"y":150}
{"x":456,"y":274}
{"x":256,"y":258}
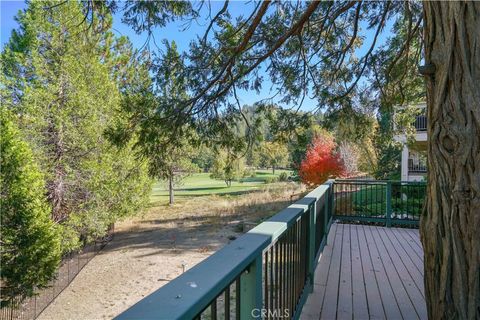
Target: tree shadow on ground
{"x":201,"y":233}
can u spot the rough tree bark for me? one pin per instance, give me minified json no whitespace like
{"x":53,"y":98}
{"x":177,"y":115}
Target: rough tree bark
{"x":170,"y":189}
{"x":54,"y":137}
{"x":450,"y":227}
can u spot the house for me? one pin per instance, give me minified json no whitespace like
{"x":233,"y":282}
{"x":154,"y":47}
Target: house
{"x":414,"y":162}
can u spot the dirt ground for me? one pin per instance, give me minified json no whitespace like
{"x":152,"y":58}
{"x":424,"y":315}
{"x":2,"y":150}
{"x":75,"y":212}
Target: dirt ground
{"x":151,"y":250}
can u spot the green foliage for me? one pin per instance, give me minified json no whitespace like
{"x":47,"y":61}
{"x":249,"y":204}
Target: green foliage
{"x":282,"y":177}
{"x":63,"y":84}
{"x":203,"y":158}
{"x":249,"y":172}
{"x":227,"y":167}
{"x":30,"y":251}
{"x":271,"y":180}
{"x":388,"y":150}
{"x":274,"y":154}
{"x":145,"y":106}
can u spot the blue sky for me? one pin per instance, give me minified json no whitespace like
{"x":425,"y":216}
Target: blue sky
{"x":173,"y":31}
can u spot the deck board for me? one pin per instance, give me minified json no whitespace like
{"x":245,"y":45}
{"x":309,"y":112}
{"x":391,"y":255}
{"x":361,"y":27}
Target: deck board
{"x":368,"y":272}
{"x":345,"y":303}
{"x":375,"y":307}
{"x":416,"y":260}
{"x":359,"y":296}
{"x":330,"y":301}
{"x":413,"y":270}
{"x":312,"y":307}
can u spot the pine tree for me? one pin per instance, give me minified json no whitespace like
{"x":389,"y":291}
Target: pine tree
{"x":30,"y":243}
{"x":61,"y":83}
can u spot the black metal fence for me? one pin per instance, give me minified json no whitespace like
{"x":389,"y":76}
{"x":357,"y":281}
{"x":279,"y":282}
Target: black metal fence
{"x":72,"y":264}
{"x":385,"y":202}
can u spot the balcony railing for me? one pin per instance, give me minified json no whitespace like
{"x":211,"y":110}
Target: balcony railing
{"x":268,"y":272}
{"x":386,"y":202}
{"x":420,"y":123}
{"x":416,"y":167}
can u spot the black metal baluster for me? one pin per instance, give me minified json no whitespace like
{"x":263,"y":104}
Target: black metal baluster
{"x":284,"y":273}
{"x":294,"y":266}
{"x":227,"y":303}
{"x":213,"y":309}
{"x":237,"y":299}
{"x":277,"y":275}
{"x":290,"y":268}
{"x":266,"y":286}
{"x":280,"y":271}
{"x":271,"y":278}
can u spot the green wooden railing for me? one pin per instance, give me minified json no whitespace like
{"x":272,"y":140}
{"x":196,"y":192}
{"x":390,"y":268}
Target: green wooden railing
{"x":268,"y":272}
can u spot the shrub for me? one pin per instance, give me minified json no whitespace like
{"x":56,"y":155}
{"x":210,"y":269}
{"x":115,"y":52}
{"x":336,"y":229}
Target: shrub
{"x":249,"y":172}
{"x":283,"y":177}
{"x":30,"y":240}
{"x":270,"y":180}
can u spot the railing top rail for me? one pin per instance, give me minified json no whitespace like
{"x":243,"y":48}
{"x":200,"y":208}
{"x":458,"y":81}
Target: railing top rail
{"x":190,"y":293}
{"x":353,"y":181}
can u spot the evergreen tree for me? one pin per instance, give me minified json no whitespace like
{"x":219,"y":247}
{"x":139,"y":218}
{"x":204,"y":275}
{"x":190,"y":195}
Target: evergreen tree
{"x":30,"y":243}
{"x":61,"y":83}
{"x":145,"y":106}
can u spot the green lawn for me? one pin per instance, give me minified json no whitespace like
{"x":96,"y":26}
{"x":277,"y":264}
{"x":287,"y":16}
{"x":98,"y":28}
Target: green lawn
{"x":200,"y":184}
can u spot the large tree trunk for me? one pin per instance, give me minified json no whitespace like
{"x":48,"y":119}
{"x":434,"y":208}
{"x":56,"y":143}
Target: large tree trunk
{"x":170,"y":190}
{"x":54,"y":138}
{"x":450,"y":229}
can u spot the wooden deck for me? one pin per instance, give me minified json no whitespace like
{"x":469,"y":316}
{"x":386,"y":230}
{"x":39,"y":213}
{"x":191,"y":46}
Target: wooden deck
{"x":368,"y":272}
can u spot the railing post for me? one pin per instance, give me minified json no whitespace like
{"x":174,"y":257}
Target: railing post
{"x":388,"y":222}
{"x":331,"y":203}
{"x":328,"y":208}
{"x":312,"y":209}
{"x":251,"y":290}
{"x":326,"y":205}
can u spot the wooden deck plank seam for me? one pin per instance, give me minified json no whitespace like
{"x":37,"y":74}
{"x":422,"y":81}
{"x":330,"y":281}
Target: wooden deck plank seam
{"x":351,"y":265}
{"x":415,"y":293}
{"x":389,"y":259}
{"x":415,"y":236}
{"x":367,"y":257}
{"x":361,"y":266}
{"x":392,"y":276}
{"x":396,"y":267}
{"x":409,"y":241}
{"x":396,"y":248}
{"x":340,"y":267}
{"x":386,"y":275}
{"x":414,"y":239}
{"x":375,"y":273}
{"x":404,"y":246}
{"x":334,"y":226}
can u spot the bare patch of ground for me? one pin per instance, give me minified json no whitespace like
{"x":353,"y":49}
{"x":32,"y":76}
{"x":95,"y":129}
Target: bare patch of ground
{"x":151,"y":250}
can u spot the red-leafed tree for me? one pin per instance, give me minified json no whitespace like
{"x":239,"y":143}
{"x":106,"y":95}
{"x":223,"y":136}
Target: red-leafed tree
{"x":321,"y":162}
